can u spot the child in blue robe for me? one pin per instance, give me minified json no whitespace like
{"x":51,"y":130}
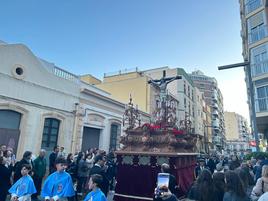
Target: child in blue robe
{"x":96,"y":194}
{"x":58,"y":185}
{"x":24,"y":187}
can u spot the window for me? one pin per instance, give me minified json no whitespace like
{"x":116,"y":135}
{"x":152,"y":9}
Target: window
{"x":9,"y":119}
{"x":256,"y":27}
{"x":115,"y":130}
{"x":189,"y":92}
{"x":262,"y":93}
{"x":184,"y":87}
{"x":189,"y":108}
{"x":50,"y":133}
{"x":259,"y":58}
{"x":251,"y":5}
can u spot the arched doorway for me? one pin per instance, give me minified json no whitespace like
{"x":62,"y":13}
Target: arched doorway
{"x":10,"y":128}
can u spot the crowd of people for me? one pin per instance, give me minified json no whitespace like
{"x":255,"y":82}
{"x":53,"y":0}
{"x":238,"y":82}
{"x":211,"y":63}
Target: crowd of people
{"x":91,"y":174}
{"x":59,"y":176}
{"x":220,"y":178}
{"x":230,"y":179}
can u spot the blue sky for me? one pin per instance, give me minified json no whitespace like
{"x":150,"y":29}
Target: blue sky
{"x":98,"y":36}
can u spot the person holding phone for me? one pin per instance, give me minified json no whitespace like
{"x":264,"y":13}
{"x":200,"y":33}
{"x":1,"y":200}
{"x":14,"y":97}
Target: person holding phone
{"x":162,"y":191}
{"x":172,"y":185}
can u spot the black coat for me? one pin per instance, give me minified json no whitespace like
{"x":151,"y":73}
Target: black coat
{"x":211,"y":164}
{"x":5,"y":174}
{"x":172,"y":184}
{"x":18,"y":167}
{"x":105,"y":182}
{"x":52,"y":159}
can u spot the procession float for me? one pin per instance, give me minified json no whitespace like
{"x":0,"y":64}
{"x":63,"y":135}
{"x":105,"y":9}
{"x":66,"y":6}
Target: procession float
{"x":147,"y":146}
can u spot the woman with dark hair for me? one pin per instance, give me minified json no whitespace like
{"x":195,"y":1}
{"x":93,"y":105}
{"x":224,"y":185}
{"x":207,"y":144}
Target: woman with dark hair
{"x":234,"y":163}
{"x":203,"y":189}
{"x":249,"y":173}
{"x":242,"y":173}
{"x":71,"y":167}
{"x":70,"y":159}
{"x":234,"y":188}
{"x":219,"y":184}
{"x":82,"y":173}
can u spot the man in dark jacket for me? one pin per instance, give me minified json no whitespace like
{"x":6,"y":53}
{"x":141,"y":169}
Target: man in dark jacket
{"x":5,"y":174}
{"x":52,"y":159}
{"x":99,"y":168}
{"x":39,"y":168}
{"x":201,"y":166}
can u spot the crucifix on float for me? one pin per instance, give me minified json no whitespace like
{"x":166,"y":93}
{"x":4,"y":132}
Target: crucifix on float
{"x":161,"y":111}
{"x":162,"y":84}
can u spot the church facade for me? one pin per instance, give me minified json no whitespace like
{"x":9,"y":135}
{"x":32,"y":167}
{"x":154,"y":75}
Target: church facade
{"x":42,"y":105}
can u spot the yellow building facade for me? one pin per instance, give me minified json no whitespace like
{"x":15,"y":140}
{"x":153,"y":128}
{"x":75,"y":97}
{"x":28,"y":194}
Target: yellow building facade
{"x":231,"y":126}
{"x":122,"y":85}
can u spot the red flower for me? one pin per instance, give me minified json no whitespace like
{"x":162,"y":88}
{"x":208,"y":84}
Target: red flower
{"x":177,"y":132}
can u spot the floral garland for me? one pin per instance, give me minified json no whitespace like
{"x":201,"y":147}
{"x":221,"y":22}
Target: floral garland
{"x":156,"y":127}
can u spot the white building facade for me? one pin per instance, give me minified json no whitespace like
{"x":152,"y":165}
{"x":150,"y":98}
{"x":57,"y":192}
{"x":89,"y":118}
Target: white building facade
{"x":42,"y":106}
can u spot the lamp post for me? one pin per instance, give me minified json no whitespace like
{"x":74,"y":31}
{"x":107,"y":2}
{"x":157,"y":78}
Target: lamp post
{"x":246,"y":64}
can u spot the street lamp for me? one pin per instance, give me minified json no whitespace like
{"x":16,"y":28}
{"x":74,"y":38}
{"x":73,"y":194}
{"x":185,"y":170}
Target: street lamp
{"x":246,"y":64}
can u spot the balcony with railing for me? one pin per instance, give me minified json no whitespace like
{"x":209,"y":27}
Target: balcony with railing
{"x":215,"y":105}
{"x":215,"y":113}
{"x":252,"y":5}
{"x":259,"y":69}
{"x":65,"y":74}
{"x":257,"y":33}
{"x":216,"y":140}
{"x":215,"y":123}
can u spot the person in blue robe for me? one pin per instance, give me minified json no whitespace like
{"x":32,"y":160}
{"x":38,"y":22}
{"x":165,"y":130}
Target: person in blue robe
{"x":58,"y":185}
{"x":24,"y":187}
{"x":96,"y":194}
